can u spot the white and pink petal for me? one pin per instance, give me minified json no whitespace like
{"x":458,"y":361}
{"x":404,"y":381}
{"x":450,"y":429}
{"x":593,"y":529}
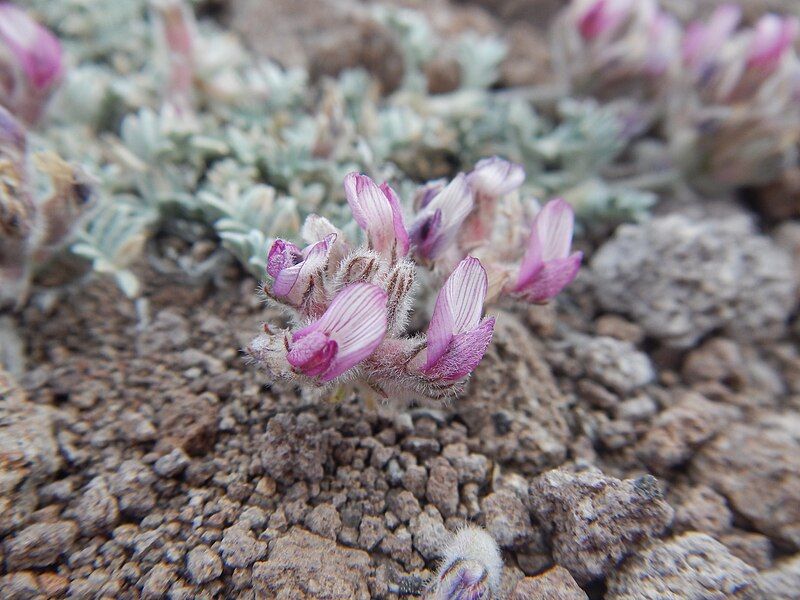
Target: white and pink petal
{"x":400,"y":233}
{"x":356,"y":321}
{"x":496,"y":176}
{"x":550,"y":279}
{"x":437,"y":225}
{"x":772,"y":37}
{"x":291,"y":281}
{"x":35,"y":47}
{"x":463,"y":353}
{"x":376,"y":209}
{"x":551,"y":232}
{"x":458,"y":306}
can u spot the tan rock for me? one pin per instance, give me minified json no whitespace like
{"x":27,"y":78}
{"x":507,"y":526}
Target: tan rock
{"x":304,"y":565}
{"x":555,"y":584}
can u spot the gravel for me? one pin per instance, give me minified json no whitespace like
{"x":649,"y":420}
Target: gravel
{"x":681,"y":279}
{"x":693,"y":566}
{"x":594,"y":521}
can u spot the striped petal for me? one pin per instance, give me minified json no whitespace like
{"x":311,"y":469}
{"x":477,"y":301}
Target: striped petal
{"x":376,"y":209}
{"x":355,"y":321}
{"x":458,"y":307}
{"x":550,"y":279}
{"x":436,"y":226}
{"x":400,"y":233}
{"x":551,"y":237}
{"x":463,"y":353}
{"x":547,"y":267}
{"x":496,"y":177}
{"x":427,"y":192}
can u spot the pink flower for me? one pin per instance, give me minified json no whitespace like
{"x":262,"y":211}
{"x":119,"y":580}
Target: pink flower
{"x":547,"y":266}
{"x":772,"y":37}
{"x":30,"y":63}
{"x":177,"y":30}
{"x":457,"y":338}
{"x":664,"y":34}
{"x":603,"y":16}
{"x":702,"y":43}
{"x":491,"y":179}
{"x":376,"y":209}
{"x":293,"y":269}
{"x":495,"y":177}
{"x":349,"y":331}
{"x":435,"y":228}
{"x":37,"y":50}
{"x":427,"y":192}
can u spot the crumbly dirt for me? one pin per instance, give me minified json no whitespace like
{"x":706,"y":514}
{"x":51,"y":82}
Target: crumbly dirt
{"x":141,"y":456}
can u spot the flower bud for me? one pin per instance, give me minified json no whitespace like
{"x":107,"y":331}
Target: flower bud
{"x":436,"y":226}
{"x":772,"y":38}
{"x":702,"y":43}
{"x":602,"y":17}
{"x":399,"y":287}
{"x":297,"y":274}
{"x":376,"y":209}
{"x":470,"y":570}
{"x":177,"y":33}
{"x":30,"y":63}
{"x":491,"y":179}
{"x":360,"y":266}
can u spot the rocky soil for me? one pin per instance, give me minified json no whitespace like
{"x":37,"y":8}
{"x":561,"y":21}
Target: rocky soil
{"x":638,"y":439}
{"x":610,"y":452}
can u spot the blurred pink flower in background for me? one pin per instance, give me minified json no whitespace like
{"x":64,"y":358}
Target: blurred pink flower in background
{"x":772,"y":38}
{"x":602,"y":17}
{"x":31,"y":63}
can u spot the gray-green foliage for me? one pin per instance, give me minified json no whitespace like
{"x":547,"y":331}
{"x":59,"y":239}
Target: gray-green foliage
{"x":111,"y":240}
{"x":265,"y":146}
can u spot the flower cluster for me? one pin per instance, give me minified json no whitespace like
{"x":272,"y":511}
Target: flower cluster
{"x":30,"y":63}
{"x":728,"y":97}
{"x":481,"y":214}
{"x":611,"y":48}
{"x":738,"y":122}
{"x":350,"y":304}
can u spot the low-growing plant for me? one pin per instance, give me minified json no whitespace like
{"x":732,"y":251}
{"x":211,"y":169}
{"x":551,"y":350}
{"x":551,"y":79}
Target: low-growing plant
{"x":180,"y":124}
{"x":349,"y":303}
{"x":726,"y":99}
